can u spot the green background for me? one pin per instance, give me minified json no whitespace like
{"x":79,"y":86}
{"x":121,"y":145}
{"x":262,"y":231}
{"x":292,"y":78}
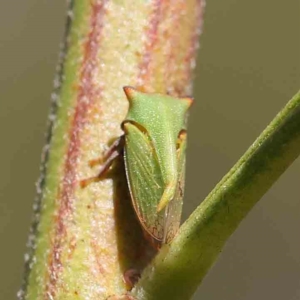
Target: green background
{"x":248,"y":68}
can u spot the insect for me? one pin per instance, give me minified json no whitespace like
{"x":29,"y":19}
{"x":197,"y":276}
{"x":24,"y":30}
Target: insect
{"x":153,"y":147}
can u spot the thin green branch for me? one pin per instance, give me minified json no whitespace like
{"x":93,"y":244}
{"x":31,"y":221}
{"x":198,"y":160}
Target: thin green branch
{"x":179,"y":268}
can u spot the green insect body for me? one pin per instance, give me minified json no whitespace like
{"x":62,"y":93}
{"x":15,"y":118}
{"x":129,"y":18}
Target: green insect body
{"x":153,"y":145}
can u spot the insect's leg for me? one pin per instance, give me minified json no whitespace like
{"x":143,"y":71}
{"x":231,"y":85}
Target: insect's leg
{"x":131,"y":277}
{"x":116,"y":146}
{"x":113,"y":152}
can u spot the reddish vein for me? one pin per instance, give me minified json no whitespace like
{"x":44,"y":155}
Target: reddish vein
{"x":87,"y":94}
{"x":194,"y":43}
{"x":175,"y":8}
{"x":152,"y":38}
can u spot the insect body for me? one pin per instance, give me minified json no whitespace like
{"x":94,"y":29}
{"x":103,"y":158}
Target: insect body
{"x":153,"y":145}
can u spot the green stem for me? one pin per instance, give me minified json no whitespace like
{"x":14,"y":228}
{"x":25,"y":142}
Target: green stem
{"x":85,"y":239}
{"x":179,"y":268}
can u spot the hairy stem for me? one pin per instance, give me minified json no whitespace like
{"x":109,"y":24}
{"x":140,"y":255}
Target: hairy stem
{"x":179,"y":268}
{"x":83,"y":240}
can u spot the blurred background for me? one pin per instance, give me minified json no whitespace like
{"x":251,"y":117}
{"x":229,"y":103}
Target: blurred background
{"x":248,"y":68}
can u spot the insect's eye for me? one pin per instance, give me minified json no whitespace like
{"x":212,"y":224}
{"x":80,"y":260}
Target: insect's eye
{"x":180,"y":138}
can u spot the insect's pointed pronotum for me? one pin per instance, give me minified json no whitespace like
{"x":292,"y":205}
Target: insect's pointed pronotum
{"x":131,"y":93}
{"x":188,"y":101}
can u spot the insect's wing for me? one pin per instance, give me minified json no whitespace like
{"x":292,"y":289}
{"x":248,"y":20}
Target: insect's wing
{"x":145,"y":179}
{"x":174,"y":208}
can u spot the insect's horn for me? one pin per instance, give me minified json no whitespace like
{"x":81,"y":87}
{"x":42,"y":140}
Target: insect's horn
{"x":130,"y":92}
{"x":188,"y":101}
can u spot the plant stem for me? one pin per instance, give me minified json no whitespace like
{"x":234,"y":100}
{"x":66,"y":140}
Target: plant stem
{"x":179,"y":268}
{"x":85,"y":239}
